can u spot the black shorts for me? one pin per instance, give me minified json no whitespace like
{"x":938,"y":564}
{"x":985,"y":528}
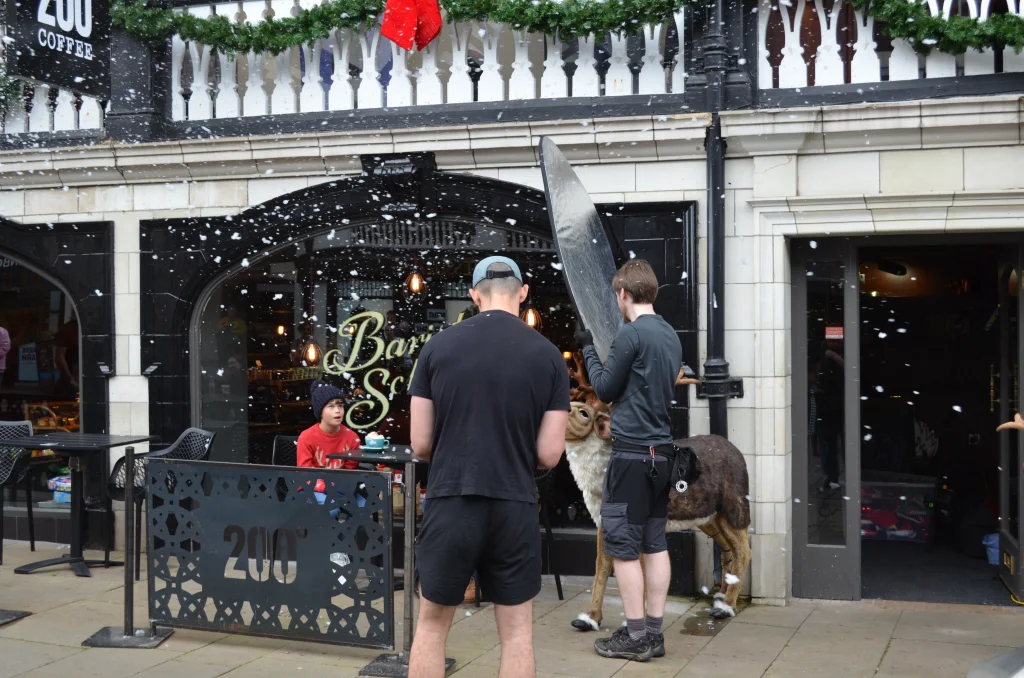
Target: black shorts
{"x":498,"y":539}
{"x":634,"y":508}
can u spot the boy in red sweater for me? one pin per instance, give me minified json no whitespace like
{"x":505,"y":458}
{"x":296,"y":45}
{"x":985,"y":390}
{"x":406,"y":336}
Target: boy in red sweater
{"x":330,"y":435}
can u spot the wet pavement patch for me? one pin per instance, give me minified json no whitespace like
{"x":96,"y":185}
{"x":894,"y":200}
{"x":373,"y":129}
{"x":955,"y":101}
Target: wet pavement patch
{"x":701,"y":624}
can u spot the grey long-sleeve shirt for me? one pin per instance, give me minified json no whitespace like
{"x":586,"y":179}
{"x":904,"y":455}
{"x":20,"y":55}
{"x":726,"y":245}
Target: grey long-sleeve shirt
{"x":639,"y":379}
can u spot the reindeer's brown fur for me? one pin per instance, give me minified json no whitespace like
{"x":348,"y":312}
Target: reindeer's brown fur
{"x":716,"y":503}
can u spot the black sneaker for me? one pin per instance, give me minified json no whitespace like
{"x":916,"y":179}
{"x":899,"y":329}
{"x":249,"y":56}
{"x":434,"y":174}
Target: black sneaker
{"x":657,"y":644}
{"x":621,"y":646}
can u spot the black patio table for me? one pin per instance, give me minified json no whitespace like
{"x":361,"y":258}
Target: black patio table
{"x":75,"y":446}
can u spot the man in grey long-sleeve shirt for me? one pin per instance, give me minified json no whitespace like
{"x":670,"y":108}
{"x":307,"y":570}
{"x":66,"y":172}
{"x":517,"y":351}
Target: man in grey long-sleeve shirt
{"x":638,"y":380}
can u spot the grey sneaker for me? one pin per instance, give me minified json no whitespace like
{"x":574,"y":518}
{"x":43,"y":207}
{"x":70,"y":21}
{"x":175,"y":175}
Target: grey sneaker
{"x":657,"y":644}
{"x":621,"y":646}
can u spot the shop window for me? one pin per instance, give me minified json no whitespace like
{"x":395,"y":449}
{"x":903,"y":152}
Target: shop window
{"x":354,"y":307}
{"x":39,"y":358}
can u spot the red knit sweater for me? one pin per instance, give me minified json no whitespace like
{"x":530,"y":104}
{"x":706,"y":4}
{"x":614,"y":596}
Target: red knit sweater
{"x":314,"y":445}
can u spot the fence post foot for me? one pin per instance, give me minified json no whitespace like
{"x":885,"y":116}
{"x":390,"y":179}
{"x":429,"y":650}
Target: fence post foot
{"x":141,"y":639}
{"x":395,"y":666}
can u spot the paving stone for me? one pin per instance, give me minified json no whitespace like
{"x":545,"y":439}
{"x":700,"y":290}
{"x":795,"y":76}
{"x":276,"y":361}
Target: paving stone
{"x":20,"y":656}
{"x":234,"y":651}
{"x":102,"y":663}
{"x":829,"y":650}
{"x":790,"y":616}
{"x":749,"y":641}
{"x":925,"y":659}
{"x":872,"y":620}
{"x":264,"y":667}
{"x":972,"y":628}
{"x":707,"y":666}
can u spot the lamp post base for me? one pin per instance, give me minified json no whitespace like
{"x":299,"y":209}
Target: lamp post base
{"x":394,"y":666}
{"x":114,"y":636}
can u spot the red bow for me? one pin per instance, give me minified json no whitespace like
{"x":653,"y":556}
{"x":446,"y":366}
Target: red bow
{"x":411,"y":21}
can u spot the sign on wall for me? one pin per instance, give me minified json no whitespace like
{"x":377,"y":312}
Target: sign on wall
{"x":61,"y":42}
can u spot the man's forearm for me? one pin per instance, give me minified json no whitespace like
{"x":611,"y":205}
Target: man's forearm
{"x":603,"y":378}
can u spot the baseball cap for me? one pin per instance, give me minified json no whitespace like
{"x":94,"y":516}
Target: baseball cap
{"x":480,"y":273}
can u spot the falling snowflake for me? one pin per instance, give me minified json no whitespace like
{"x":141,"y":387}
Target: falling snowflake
{"x":731,"y":579}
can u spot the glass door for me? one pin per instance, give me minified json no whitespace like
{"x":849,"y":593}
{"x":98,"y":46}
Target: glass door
{"x":826,"y":420}
{"x":1011,"y":440}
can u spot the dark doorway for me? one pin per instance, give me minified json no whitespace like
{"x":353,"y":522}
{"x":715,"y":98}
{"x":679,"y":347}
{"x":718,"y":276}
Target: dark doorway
{"x":935,"y":324}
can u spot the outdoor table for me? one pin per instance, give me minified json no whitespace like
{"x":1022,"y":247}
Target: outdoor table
{"x":398,"y":456}
{"x":75,"y":446}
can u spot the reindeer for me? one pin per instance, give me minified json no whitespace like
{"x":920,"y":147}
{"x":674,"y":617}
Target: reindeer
{"x":716,"y":503}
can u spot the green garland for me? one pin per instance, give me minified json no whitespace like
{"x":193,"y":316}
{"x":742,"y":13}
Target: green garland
{"x":913,"y":22}
{"x":10,"y":90}
{"x":569,"y":18}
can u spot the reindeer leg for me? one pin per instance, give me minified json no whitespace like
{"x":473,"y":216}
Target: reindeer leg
{"x":592,"y":618}
{"x":741,"y":558}
{"x":726,"y":537}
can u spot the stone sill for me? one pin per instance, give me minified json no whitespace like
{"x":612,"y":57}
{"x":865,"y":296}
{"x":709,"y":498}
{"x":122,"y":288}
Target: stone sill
{"x":465,"y":147}
{"x":996,"y":120}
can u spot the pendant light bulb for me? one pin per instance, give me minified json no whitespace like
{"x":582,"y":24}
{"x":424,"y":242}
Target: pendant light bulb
{"x":532,"y":318}
{"x":312,"y":353}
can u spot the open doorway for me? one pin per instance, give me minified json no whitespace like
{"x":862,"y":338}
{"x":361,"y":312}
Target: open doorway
{"x":936,"y":378}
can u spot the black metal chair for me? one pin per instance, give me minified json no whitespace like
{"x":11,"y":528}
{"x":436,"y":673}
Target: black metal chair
{"x":192,"y":445}
{"x":286,"y":451}
{"x":14,"y":469}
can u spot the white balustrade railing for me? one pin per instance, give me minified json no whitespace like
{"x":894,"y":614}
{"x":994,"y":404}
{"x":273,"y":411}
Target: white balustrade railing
{"x":360,"y":69}
{"x":802,"y":43}
{"x":48,"y":109}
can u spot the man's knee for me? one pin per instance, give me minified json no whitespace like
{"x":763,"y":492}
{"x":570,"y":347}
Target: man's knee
{"x":515,"y":622}
{"x":434,"y":615}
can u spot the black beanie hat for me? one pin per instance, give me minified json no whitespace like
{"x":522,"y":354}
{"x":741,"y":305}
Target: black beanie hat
{"x":321,"y":394}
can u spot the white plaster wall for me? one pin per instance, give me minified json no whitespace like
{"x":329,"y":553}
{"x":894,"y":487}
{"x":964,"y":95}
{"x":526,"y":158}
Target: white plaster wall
{"x":937,"y":166}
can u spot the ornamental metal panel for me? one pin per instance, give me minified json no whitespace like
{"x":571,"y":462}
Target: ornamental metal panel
{"x":274,"y":551}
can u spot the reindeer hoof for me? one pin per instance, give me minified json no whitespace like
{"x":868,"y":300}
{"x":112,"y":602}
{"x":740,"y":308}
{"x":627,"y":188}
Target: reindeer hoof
{"x":721,"y":610}
{"x":584,"y":622}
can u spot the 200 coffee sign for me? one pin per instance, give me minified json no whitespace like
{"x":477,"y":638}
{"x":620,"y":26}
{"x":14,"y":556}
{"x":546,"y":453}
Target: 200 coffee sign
{"x":65,"y":43}
{"x":71,"y":15}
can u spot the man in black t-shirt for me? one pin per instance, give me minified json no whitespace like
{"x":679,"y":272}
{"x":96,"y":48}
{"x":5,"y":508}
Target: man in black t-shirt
{"x":490,"y":402}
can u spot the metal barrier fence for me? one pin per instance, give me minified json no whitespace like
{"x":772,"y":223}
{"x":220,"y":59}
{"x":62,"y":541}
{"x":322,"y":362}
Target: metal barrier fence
{"x":303,"y":554}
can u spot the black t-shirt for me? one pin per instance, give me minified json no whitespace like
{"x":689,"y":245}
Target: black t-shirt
{"x":491,"y":379}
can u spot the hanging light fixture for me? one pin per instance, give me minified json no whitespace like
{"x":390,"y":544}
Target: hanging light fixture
{"x":280,"y":330}
{"x":415,"y":283}
{"x":311,"y":352}
{"x":531,"y":317}
{"x":567,"y":355}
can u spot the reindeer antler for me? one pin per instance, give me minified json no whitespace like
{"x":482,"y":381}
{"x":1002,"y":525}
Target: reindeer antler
{"x":1017,"y":423}
{"x":683,"y":380}
{"x":584,"y":392}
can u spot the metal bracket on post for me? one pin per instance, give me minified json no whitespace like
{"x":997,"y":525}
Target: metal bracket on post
{"x":732,"y":387}
{"x":128,"y":636}
{"x":717,"y":383}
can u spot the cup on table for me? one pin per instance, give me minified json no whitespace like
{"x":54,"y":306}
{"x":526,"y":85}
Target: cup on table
{"x":376,"y":441}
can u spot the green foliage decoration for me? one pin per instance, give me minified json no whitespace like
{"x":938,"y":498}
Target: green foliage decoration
{"x":913,"y":22}
{"x":567,"y":19}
